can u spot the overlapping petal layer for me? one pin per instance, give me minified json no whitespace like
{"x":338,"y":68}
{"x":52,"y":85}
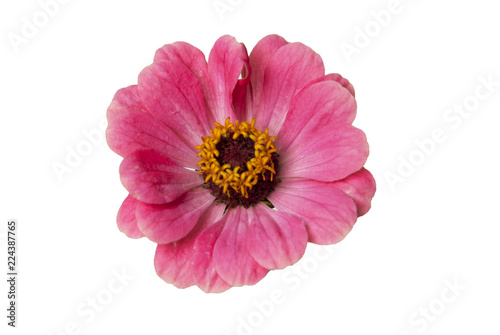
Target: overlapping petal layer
{"x":156,"y":125}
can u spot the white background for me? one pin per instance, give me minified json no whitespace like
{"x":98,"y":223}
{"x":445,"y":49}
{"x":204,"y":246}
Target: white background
{"x":438,"y":227}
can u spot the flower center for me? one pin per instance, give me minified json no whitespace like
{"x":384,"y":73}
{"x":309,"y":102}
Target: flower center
{"x":238,"y":163}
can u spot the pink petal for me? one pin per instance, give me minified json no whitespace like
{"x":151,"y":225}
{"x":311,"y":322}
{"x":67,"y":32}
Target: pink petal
{"x":259,"y":59}
{"x":126,"y":99}
{"x":261,"y":54}
{"x":239,"y":95}
{"x":173,"y":94}
{"x":326,"y":102}
{"x":173,"y":261}
{"x":232,"y":259}
{"x":133,"y":131}
{"x":338,"y":78}
{"x":290,"y":69}
{"x":360,"y":186}
{"x":126,"y":218}
{"x":194,"y":59}
{"x":170,"y":222}
{"x":275,"y":239}
{"x":186,"y":54}
{"x":228,"y":60}
{"x":325,"y":153}
{"x":203,"y":264}
{"x":328,"y":213}
{"x":153,"y":178}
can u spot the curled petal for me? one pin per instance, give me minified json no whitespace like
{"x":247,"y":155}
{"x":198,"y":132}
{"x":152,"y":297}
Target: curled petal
{"x":227,"y":61}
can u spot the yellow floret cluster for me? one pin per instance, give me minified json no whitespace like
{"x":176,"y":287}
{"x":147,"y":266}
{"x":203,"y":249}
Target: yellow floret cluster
{"x":226,"y":176}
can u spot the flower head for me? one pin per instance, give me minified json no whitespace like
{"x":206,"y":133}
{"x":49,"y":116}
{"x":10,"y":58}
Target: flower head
{"x":235,"y":164}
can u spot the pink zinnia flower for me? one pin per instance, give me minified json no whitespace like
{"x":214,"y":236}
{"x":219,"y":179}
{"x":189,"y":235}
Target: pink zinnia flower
{"x":232,"y":166}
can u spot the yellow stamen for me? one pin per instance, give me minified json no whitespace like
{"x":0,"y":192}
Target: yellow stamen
{"x":227,"y":176}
